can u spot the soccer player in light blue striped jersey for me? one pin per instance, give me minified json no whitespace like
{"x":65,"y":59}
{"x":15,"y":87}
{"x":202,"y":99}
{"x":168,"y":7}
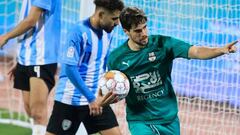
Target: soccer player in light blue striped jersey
{"x":83,"y":61}
{"x":38,"y":33}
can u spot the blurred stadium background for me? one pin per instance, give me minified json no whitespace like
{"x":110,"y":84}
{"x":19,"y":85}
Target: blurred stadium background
{"x":208,"y":91}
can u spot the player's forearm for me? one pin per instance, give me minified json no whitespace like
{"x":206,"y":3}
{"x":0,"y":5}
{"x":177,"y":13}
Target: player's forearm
{"x":21,"y":28}
{"x":199,"y":52}
{"x":76,"y":79}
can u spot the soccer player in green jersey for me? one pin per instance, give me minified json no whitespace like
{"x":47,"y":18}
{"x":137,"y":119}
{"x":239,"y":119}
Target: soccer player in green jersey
{"x":147,"y":61}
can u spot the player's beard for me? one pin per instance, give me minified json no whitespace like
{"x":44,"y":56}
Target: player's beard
{"x":107,"y":28}
{"x":142,"y":42}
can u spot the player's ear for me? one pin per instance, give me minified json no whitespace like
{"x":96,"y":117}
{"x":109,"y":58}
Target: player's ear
{"x":100,"y":14}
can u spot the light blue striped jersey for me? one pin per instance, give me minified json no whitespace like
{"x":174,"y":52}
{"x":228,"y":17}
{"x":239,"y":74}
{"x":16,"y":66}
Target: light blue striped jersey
{"x":86,"y":48}
{"x":40,"y":44}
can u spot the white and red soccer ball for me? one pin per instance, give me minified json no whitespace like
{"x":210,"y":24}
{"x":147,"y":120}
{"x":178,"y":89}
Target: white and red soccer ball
{"x":115,"y":81}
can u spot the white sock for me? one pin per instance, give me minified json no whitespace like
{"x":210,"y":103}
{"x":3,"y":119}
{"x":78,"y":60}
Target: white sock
{"x":31,"y":121}
{"x":38,"y":130}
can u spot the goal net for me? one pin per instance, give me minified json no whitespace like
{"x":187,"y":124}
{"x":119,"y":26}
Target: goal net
{"x":208,"y":90}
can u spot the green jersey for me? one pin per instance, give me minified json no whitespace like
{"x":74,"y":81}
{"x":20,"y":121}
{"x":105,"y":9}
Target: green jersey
{"x":151,"y":97}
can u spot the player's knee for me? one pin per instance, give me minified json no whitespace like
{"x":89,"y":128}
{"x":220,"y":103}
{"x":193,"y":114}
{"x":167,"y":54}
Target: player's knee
{"x":38,"y":114}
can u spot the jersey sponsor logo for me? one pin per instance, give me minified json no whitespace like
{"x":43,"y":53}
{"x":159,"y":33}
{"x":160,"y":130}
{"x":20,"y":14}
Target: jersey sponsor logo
{"x":151,"y":56}
{"x":66,"y":124}
{"x":148,"y":86}
{"x":70,"y":52}
{"x":145,"y":83}
{"x":156,"y":94}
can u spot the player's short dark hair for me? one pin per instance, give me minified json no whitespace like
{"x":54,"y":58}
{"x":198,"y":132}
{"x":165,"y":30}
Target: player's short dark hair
{"x":132,"y":16}
{"x":110,"y":5}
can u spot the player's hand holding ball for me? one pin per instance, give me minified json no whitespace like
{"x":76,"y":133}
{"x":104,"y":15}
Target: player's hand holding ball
{"x":114,"y":86}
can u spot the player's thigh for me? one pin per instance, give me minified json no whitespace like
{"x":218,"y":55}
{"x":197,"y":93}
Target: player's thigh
{"x":21,"y":82}
{"x":65,"y":119}
{"x":154,"y":129}
{"x":41,"y":82}
{"x":140,"y":128}
{"x":106,"y":123}
{"x":26,"y":101}
{"x":172,"y":128}
{"x":45,"y":73}
{"x":38,"y":92}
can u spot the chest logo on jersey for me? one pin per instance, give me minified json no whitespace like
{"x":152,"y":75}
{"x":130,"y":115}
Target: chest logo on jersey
{"x":151,"y":56}
{"x":70,"y":52}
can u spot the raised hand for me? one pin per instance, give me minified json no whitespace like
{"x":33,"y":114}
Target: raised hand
{"x":231,"y":47}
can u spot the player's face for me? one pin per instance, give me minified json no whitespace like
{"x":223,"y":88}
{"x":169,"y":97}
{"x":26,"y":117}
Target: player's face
{"x":139,"y":34}
{"x":109,"y":20}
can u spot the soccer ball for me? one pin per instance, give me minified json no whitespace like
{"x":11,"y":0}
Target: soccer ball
{"x":115,"y":81}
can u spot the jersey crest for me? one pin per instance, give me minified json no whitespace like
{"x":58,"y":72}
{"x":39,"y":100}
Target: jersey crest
{"x":151,"y":56}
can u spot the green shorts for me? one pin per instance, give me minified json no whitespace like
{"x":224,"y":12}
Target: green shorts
{"x":141,"y":128}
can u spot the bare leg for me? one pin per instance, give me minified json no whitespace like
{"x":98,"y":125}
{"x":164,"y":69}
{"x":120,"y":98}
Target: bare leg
{"x":112,"y":131}
{"x":26,"y":101}
{"x":38,"y":104}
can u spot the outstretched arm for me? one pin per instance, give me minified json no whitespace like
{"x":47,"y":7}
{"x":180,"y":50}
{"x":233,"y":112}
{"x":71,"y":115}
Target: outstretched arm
{"x":26,"y":24}
{"x":201,"y":52}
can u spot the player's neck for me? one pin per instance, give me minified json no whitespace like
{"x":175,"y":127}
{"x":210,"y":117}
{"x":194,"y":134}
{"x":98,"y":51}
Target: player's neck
{"x":134,"y":46}
{"x":94,"y":22}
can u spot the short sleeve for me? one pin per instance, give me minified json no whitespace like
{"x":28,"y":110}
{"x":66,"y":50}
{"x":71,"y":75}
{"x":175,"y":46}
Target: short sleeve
{"x":177,"y":48}
{"x":44,"y":4}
